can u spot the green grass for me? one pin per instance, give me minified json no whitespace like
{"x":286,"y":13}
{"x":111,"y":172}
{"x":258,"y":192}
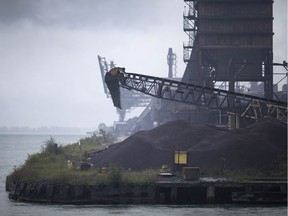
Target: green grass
{"x":140,"y":178}
{"x":53,"y":168}
{"x":51,"y":165}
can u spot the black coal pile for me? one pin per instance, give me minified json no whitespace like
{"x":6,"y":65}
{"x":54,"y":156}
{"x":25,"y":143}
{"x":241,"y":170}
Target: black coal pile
{"x":208,"y":147}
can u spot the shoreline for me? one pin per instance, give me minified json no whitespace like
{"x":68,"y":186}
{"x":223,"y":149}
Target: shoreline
{"x":165,"y":191}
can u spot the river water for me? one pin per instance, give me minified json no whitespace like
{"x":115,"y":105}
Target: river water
{"x":14,"y":151}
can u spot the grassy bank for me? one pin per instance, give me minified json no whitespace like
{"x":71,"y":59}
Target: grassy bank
{"x":51,"y":165}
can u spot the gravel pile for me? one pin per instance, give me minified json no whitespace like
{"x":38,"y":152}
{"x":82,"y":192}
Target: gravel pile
{"x":257,"y":146}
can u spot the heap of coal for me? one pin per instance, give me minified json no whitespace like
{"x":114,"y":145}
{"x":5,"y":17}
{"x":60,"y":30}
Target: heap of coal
{"x":258,"y":146}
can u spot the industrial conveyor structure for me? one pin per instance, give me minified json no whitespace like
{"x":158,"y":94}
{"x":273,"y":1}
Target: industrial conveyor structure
{"x":234,"y":103}
{"x":130,"y":99}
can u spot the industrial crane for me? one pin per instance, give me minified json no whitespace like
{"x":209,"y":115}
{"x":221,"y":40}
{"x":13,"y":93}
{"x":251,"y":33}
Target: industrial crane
{"x":130,"y":99}
{"x":233,"y":103}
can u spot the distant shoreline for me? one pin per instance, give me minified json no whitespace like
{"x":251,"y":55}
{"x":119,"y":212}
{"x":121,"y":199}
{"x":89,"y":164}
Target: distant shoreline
{"x":42,"y":133}
{"x":45,"y":130}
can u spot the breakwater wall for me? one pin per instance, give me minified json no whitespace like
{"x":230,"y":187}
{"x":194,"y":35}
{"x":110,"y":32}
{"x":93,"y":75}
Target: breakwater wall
{"x":162,"y":192}
{"x":46,"y":192}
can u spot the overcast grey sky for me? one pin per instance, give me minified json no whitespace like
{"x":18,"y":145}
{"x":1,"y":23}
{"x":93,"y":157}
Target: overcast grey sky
{"x":49,"y":72}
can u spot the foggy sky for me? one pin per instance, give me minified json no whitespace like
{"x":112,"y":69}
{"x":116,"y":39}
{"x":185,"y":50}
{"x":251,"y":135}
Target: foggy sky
{"x":49,"y":71}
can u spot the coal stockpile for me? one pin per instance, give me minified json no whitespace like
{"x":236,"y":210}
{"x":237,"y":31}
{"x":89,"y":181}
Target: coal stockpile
{"x":258,"y":146}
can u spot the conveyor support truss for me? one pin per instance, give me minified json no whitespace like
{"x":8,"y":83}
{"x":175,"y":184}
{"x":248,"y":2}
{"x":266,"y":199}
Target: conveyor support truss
{"x":231,"y":102}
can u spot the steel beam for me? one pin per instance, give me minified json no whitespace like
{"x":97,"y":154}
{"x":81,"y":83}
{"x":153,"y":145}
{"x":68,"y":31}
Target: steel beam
{"x":201,"y":96}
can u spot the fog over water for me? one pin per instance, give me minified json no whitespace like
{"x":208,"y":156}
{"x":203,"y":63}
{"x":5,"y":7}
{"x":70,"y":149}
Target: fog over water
{"x":49,"y":72}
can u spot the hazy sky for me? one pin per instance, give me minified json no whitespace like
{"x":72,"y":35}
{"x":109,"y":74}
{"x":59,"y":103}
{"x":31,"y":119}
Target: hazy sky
{"x":49,"y":71}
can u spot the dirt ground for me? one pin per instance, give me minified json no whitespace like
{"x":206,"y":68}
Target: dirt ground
{"x":260,"y":146}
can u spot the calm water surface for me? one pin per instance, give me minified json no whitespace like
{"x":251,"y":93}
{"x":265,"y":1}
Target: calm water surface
{"x":14,"y":151}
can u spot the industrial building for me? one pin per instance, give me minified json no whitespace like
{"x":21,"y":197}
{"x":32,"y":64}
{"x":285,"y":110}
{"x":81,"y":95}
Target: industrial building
{"x":229,"y":47}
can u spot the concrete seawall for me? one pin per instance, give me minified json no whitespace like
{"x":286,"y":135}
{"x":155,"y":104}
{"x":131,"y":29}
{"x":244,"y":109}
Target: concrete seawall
{"x":162,"y":192}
